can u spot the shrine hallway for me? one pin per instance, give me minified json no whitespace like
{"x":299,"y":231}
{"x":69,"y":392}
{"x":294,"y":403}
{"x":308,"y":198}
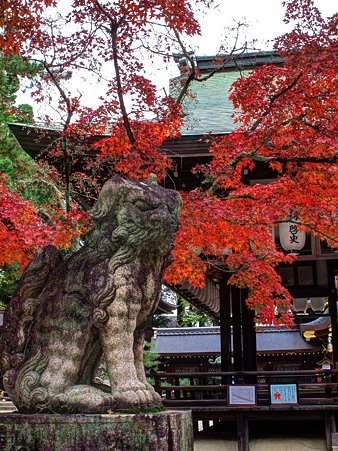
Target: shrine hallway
{"x":264,"y":436}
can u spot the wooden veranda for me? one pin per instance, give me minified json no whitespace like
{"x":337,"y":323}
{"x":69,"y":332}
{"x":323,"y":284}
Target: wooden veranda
{"x":207,"y":396}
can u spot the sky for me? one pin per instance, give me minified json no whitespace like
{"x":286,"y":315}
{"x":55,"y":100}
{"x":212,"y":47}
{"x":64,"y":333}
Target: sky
{"x":263,"y":17}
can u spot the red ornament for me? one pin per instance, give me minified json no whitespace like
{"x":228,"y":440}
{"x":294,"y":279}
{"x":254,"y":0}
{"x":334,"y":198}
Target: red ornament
{"x":277,"y":395}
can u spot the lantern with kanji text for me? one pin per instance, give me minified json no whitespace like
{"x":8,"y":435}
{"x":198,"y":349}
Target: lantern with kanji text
{"x":291,"y":238}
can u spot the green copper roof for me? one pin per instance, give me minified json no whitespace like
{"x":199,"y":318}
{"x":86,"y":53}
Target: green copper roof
{"x":210,"y":109}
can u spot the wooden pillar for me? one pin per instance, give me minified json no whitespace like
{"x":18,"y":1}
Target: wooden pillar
{"x":225,"y":326}
{"x":330,"y":428}
{"x":249,"y":339}
{"x":205,"y":424}
{"x":195,"y":427}
{"x":334,"y":325}
{"x":237,"y":328}
{"x":242,"y":431}
{"x":332,"y":268}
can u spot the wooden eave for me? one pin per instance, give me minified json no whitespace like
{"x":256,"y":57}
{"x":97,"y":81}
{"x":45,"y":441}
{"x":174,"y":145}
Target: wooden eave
{"x":36,"y":140}
{"x":244,"y":61}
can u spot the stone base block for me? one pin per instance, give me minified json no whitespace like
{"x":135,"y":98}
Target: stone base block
{"x":164,"y":431}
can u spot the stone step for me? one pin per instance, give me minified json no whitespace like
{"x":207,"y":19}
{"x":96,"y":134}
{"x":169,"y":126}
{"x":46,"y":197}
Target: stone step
{"x":7,"y":406}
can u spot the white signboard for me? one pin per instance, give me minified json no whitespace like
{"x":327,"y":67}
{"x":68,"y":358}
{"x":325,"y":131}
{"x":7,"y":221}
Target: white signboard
{"x":242,"y":395}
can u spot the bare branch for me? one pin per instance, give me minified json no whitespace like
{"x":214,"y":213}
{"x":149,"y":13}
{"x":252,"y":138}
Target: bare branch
{"x":113,"y":34}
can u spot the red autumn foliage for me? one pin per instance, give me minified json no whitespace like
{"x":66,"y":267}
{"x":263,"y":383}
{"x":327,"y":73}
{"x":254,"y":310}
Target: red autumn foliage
{"x":23,"y":232}
{"x":20,"y":21}
{"x":142,"y":157}
{"x":286,"y":118}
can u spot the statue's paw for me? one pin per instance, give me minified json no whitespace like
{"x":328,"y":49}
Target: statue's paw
{"x":157,"y":400}
{"x":136,"y":396}
{"x":131,"y":396}
{"x":154,"y":399}
{"x":82,"y":399}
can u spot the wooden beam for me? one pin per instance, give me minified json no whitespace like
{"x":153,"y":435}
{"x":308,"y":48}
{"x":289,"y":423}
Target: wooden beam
{"x":225,"y":326}
{"x":330,"y":429}
{"x":237,"y":328}
{"x":249,"y":338}
{"x":332,"y":269}
{"x":242,"y":431}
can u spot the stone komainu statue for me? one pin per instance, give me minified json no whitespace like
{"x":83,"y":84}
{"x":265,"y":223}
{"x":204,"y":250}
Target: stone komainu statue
{"x":66,"y":313}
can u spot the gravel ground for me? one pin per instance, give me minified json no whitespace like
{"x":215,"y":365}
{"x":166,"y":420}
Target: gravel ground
{"x":282,"y":444}
{"x":265,"y":436}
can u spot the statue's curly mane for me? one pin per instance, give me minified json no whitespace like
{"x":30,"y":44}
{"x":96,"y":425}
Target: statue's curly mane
{"x":116,"y":235}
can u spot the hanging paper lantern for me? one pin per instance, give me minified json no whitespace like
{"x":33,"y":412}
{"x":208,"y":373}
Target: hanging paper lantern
{"x":290,"y":237}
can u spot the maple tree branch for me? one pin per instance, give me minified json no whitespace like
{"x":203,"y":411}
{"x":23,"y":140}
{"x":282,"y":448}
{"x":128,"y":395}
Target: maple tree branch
{"x":274,"y":98}
{"x":192,"y":73}
{"x":61,"y":92}
{"x":286,"y":89}
{"x":114,"y":24}
{"x":230,"y":57}
{"x":319,"y":129}
{"x":120,"y":91}
{"x":220,"y":265}
{"x":152,"y":50}
{"x":51,"y":25}
{"x":239,"y":196}
{"x":64,"y":145}
{"x":284,"y":160}
{"x":193,"y":76}
{"x":105,"y":12}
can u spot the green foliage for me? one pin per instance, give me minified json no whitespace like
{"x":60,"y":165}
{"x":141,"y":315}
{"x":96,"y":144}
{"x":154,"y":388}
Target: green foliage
{"x":7,"y":166}
{"x":102,"y":372}
{"x":40,"y":190}
{"x":150,"y":358}
{"x":19,"y":168}
{"x":14,"y":162}
{"x":191,"y":317}
{"x":184,"y":381}
{"x":9,"y":279}
{"x":160,"y":321}
{"x":12,"y":68}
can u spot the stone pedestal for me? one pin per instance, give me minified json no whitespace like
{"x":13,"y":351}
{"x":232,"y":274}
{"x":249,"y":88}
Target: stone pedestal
{"x":164,"y":431}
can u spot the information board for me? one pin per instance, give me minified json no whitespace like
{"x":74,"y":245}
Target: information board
{"x":239,"y":395}
{"x":283,"y":394}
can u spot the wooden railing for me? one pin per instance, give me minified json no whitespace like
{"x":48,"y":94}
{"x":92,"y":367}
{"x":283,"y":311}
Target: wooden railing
{"x":315,"y":387}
